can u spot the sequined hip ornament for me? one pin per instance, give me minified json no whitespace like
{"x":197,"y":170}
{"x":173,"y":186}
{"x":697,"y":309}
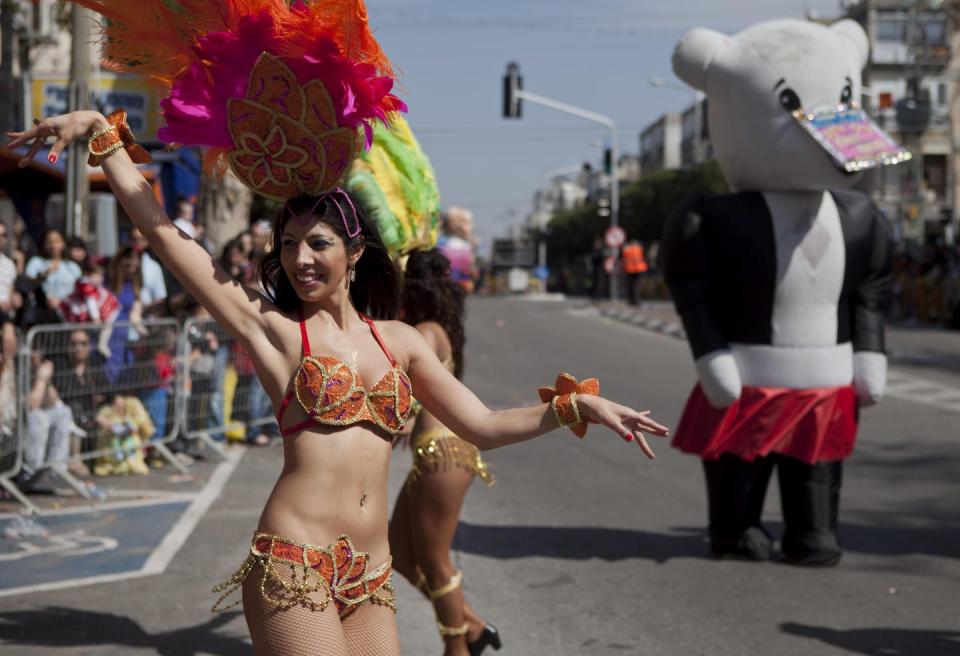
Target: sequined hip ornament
{"x":294,"y":574}
{"x":438,"y":448}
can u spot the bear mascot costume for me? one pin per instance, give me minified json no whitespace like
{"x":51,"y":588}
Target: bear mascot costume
{"x":781,"y":285}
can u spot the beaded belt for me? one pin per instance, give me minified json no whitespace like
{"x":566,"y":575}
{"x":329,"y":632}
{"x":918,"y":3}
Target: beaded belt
{"x":338,"y":572}
{"x":436,"y":448}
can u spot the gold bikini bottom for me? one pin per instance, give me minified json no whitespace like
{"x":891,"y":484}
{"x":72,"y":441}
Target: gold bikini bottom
{"x":293,"y":573}
{"x":438,"y":448}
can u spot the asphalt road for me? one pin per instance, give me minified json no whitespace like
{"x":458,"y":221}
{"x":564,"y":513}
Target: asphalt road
{"x":586,"y":547}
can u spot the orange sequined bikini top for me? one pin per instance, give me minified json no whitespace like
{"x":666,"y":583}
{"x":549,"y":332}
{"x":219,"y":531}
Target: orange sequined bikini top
{"x":332,"y":393}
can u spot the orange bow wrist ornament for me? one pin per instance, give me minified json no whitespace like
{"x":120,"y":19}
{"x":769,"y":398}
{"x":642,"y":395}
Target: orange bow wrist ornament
{"x":117,"y":135}
{"x":562,"y":398}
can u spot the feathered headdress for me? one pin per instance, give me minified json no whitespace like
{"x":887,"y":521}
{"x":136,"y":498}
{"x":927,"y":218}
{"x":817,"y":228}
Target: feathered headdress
{"x":285,"y":94}
{"x":395,"y":185}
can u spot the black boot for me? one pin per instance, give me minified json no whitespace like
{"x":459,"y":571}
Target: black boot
{"x":735,"y":492}
{"x":810,"y":495}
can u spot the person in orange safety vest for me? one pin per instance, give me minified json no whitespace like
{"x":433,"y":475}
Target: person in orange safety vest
{"x":635,"y":265}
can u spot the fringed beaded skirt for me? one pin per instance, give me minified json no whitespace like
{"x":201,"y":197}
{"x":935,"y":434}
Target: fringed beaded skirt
{"x":436,"y":449}
{"x":293,"y":573}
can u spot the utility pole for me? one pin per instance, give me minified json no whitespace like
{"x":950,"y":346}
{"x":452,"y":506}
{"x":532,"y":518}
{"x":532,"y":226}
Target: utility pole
{"x":78,"y":97}
{"x":8,"y":90}
{"x":512,"y":108}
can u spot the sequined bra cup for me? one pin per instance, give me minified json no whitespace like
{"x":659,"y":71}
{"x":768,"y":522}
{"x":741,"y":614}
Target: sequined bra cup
{"x":332,"y":393}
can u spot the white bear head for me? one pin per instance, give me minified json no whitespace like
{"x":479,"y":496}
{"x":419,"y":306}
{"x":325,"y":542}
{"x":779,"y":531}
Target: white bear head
{"x":755,"y":80}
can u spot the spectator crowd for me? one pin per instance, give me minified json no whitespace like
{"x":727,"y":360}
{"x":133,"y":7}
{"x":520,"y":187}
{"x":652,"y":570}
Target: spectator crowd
{"x":102,"y":356}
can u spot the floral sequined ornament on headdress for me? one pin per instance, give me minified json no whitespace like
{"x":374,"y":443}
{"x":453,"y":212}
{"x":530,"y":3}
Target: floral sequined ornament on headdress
{"x":284,"y":93}
{"x":286,"y":135}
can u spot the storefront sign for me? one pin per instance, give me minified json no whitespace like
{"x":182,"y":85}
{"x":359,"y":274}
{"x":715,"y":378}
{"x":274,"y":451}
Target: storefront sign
{"x":108,"y":91}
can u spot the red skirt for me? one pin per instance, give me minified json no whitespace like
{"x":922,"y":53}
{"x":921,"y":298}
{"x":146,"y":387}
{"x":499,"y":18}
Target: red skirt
{"x":812,"y":425}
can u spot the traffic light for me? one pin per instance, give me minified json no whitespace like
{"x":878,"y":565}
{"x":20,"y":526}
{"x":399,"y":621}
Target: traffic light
{"x":608,"y":161}
{"x":512,"y":82}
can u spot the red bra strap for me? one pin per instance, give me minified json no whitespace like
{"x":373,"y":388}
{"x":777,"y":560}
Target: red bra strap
{"x":376,"y":335}
{"x":288,"y":398}
{"x":304,"y":341}
{"x":296,"y":428}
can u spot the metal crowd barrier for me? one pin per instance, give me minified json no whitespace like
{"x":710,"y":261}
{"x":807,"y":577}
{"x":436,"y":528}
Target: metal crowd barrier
{"x":117,"y":389}
{"x":12,"y":423}
{"x":223,"y":399}
{"x":112,"y":394}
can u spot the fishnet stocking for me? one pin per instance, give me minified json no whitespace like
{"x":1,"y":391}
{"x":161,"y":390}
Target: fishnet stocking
{"x":371,"y":630}
{"x":296,"y":630}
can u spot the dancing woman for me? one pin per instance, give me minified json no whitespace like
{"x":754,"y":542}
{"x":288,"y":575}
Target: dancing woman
{"x":307,"y":586}
{"x":283,"y":93}
{"x":427,"y":511}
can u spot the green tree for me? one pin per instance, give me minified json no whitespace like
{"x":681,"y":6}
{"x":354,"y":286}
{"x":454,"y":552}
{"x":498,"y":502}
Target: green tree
{"x":645,"y":207}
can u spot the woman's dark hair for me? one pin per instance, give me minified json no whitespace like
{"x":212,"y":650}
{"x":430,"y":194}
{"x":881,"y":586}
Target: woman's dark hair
{"x":116,"y":276}
{"x":43,"y":242}
{"x":376,"y":289}
{"x":225,"y":260}
{"x":429,"y":294}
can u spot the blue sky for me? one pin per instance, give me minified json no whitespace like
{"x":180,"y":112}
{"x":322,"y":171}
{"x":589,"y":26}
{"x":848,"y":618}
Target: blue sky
{"x":598,"y":54}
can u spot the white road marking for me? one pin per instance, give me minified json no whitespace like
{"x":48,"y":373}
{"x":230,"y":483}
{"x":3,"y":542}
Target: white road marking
{"x":162,"y":555}
{"x":151,"y":500}
{"x":71,"y":543}
{"x":167,"y":549}
{"x":907,"y":387}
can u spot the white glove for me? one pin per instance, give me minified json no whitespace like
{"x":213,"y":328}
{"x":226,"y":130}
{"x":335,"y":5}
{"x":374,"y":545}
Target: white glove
{"x":719,"y":378}
{"x":869,"y":376}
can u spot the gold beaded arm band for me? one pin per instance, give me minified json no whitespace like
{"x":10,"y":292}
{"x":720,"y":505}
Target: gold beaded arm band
{"x":562,"y":398}
{"x":117,"y":135}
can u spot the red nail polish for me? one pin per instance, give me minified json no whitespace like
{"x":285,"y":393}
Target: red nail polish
{"x":628,"y":438}
{"x":52,"y":158}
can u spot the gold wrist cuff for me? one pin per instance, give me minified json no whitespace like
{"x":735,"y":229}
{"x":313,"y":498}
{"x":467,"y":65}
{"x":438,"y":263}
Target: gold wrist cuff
{"x":565,"y":409}
{"x":562,"y":398}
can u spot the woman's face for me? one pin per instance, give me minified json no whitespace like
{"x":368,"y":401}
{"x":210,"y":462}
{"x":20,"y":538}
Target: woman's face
{"x":53,"y":244}
{"x":246,"y":242}
{"x":78,"y":347}
{"x":314,"y":258}
{"x":130,"y":264}
{"x":237,"y":257}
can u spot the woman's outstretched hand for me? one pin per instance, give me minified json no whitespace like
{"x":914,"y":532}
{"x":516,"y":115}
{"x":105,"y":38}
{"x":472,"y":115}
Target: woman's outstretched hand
{"x":625,"y":422}
{"x":65,"y":128}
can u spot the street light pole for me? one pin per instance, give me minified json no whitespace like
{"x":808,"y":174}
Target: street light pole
{"x":514,"y":94}
{"x":78,"y":97}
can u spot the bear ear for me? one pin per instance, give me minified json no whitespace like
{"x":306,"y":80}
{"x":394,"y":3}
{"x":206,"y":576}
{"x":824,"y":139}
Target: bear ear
{"x":853,"y":33}
{"x":693,"y":55}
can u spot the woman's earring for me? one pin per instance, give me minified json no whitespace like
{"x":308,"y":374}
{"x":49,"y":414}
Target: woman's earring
{"x":353,"y":274}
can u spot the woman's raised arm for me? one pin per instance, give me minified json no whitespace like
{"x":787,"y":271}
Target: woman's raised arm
{"x":239,"y":309}
{"x":462,"y":412}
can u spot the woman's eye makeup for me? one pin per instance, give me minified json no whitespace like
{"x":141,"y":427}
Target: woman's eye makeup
{"x":315,"y":243}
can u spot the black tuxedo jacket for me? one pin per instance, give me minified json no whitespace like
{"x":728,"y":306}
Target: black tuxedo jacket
{"x":719,"y":261}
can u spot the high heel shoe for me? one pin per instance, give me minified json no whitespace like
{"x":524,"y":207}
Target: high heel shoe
{"x":490,"y":636}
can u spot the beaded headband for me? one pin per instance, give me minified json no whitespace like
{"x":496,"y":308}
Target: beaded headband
{"x":351,"y":221}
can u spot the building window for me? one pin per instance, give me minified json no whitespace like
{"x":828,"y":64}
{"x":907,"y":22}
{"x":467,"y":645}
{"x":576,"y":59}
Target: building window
{"x":935,"y":32}
{"x":942,"y":94}
{"x":890,"y":29}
